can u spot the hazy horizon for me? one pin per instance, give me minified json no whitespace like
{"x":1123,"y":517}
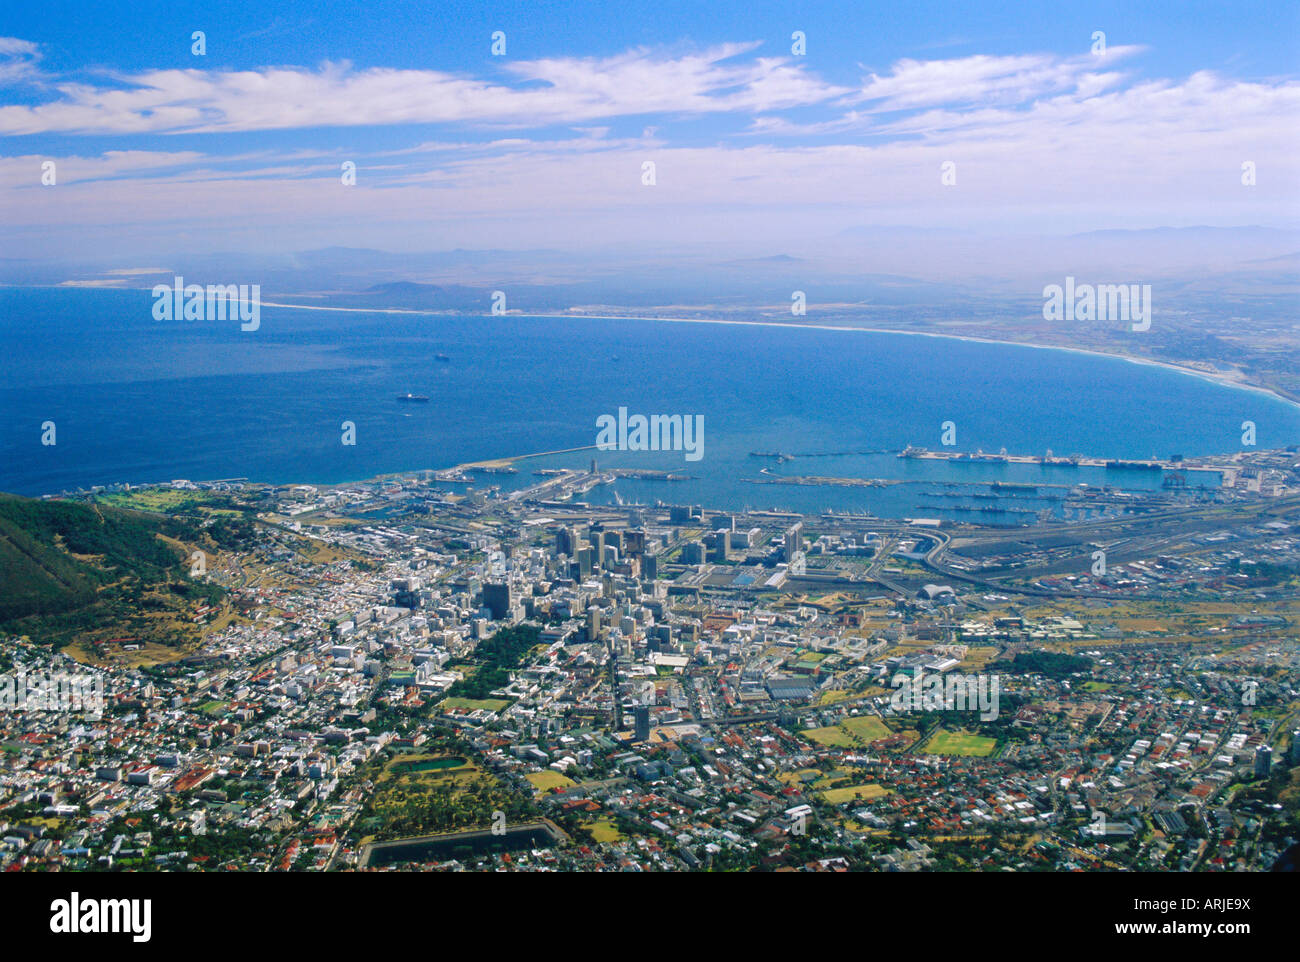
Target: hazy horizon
{"x":779,"y":133}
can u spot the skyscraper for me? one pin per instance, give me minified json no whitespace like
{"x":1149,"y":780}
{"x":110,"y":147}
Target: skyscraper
{"x":721,"y":544}
{"x":496,"y":597}
{"x":566,"y":542}
{"x":1263,"y":761}
{"x":793,"y":541}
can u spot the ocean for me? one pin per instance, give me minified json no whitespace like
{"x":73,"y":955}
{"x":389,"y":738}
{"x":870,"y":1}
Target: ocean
{"x":139,"y":400}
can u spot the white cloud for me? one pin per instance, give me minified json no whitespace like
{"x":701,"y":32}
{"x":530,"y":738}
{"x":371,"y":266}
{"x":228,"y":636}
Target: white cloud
{"x":1038,"y":142}
{"x":554,"y":91}
{"x":985,"y":79}
{"x":18,"y":60}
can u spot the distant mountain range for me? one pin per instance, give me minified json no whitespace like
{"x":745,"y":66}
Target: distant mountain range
{"x":868,"y":264}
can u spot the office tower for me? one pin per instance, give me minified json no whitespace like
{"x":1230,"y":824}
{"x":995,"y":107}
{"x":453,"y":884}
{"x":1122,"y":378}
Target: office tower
{"x":566,"y":542}
{"x":1263,"y":761}
{"x":1295,"y":747}
{"x":634,"y":542}
{"x":693,"y":553}
{"x":721,"y":548}
{"x":406,"y":593}
{"x":793,"y":541}
{"x":649,"y":567}
{"x":642,"y":715}
{"x":496,"y":598}
{"x":743,"y":539}
{"x":597,"y":538}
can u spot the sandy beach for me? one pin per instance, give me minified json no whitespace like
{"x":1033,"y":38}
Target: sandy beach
{"x":1221,"y":378}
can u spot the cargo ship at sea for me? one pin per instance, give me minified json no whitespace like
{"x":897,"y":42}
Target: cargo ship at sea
{"x":413,"y":398}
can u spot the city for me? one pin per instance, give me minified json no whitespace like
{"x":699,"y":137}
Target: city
{"x":393,"y":675}
{"x":452,"y":453}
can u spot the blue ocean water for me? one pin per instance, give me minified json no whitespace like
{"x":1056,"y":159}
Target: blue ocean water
{"x":139,"y":400}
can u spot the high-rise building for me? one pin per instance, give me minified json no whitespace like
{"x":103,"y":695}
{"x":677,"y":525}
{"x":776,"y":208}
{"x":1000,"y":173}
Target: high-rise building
{"x":1263,"y":761}
{"x":406,"y":593}
{"x":1295,"y":747}
{"x":793,"y":541}
{"x":496,"y":598}
{"x":634,"y":542}
{"x":566,"y":542}
{"x":721,"y":546}
{"x":642,"y":715}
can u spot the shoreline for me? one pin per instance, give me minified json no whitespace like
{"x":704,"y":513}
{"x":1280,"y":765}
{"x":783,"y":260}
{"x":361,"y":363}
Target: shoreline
{"x":504,"y":462}
{"x":1220,"y":378}
{"x":469,"y":465}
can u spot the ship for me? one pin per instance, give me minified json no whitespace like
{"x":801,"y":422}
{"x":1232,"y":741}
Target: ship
{"x":413,"y":398}
{"x":441,"y":357}
{"x":1134,"y":465}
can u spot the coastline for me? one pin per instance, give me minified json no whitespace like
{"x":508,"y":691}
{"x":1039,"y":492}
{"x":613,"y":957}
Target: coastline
{"x":1218,"y":377}
{"x":504,"y":462}
{"x":1221,"y":378}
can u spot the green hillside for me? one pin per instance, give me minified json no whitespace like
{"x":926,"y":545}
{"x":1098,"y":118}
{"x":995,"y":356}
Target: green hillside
{"x":69,"y":568}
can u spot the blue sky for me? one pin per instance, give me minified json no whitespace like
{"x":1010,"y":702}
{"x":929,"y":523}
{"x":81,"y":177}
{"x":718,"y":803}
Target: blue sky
{"x":156,"y":148}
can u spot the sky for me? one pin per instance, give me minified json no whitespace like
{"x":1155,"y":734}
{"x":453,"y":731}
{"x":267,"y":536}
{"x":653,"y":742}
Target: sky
{"x":769,"y":125}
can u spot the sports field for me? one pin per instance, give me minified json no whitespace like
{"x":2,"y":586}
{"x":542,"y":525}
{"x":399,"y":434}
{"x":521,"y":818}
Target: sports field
{"x":861,"y":730}
{"x":959,"y":743}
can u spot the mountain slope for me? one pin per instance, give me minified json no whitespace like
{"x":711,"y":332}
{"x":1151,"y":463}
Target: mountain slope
{"x":68,"y":568}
